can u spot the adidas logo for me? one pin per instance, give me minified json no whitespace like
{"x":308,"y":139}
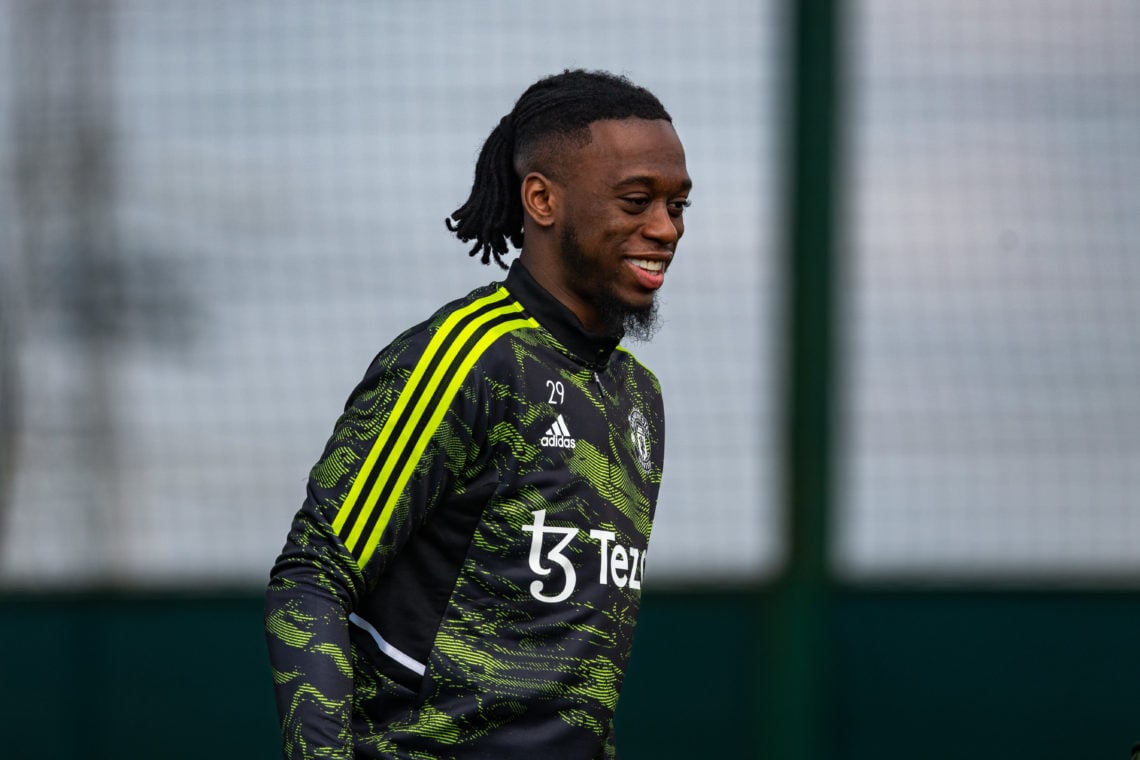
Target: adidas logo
{"x":559,"y":435}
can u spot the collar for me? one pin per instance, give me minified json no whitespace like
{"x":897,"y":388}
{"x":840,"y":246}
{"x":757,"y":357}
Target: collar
{"x":563,"y":324}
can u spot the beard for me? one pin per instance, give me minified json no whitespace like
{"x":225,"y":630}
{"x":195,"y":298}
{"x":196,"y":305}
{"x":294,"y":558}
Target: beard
{"x":619,"y":319}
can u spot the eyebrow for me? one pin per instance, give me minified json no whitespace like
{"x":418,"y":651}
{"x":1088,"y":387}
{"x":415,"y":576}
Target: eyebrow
{"x":643,"y":179}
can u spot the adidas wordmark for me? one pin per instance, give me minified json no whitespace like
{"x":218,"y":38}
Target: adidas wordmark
{"x":559,"y":435}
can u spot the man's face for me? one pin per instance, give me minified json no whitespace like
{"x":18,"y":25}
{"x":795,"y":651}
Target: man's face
{"x":624,"y":196}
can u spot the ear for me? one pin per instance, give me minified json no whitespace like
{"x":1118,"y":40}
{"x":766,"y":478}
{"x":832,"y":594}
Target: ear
{"x":539,"y":198}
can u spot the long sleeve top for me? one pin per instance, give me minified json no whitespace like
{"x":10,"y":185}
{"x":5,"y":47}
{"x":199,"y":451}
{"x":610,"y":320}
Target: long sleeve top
{"x":464,"y":575}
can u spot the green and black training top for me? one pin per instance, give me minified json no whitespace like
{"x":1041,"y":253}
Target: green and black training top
{"x":464,"y":575}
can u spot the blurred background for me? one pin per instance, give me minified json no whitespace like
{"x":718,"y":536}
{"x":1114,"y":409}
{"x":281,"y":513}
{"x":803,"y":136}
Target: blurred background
{"x":900,"y":353}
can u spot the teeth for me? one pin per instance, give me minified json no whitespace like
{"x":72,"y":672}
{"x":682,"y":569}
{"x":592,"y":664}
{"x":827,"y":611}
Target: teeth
{"x":650,"y":266}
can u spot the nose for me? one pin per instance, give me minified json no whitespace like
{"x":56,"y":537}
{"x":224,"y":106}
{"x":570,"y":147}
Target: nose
{"x":663,"y":227}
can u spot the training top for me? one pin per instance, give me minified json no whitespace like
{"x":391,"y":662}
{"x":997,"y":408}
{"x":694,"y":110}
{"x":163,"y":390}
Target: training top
{"x":464,"y":575}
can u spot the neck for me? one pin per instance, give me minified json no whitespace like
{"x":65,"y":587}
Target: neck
{"x":544,"y":267}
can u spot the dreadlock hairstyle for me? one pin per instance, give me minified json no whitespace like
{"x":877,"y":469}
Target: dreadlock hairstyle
{"x":560,"y":107}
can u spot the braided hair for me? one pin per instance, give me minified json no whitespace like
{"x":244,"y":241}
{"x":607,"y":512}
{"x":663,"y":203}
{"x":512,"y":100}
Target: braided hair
{"x":553,"y":112}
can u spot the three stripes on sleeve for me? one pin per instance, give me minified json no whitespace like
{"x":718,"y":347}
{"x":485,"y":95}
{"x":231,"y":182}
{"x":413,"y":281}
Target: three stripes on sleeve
{"x":436,"y":379}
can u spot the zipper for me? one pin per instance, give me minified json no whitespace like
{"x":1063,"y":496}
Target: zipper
{"x":605,"y":408}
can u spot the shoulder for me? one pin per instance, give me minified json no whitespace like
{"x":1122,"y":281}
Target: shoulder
{"x":463,"y":319}
{"x":455,"y":336}
{"x":636,"y":368}
{"x":477,"y":318}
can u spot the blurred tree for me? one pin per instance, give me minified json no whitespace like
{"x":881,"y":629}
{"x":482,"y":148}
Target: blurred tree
{"x":83,"y":288}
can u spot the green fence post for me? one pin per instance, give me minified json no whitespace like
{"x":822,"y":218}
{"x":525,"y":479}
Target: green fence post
{"x":798,"y":645}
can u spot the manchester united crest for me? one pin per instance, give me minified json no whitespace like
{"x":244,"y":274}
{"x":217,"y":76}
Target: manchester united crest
{"x":639,"y":436}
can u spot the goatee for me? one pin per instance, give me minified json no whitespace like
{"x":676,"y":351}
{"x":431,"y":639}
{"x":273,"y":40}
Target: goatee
{"x":623,"y":321}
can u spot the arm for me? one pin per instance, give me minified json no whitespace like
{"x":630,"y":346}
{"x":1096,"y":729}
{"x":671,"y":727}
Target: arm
{"x":306,"y":624}
{"x":610,"y":745}
{"x":388,"y":463}
{"x":317,"y":582}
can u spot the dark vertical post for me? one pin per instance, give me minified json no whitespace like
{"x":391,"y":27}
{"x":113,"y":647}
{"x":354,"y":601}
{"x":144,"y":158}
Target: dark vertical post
{"x":799,"y":645}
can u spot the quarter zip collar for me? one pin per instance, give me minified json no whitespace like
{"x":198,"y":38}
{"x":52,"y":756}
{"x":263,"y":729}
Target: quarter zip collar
{"x":593,"y":349}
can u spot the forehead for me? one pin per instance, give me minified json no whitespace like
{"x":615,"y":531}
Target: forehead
{"x":622,"y":149}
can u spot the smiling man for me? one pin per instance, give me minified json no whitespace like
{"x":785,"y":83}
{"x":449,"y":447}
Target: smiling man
{"x":464,"y":575}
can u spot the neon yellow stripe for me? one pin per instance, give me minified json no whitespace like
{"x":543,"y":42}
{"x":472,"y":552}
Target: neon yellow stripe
{"x":424,"y":397}
{"x":440,"y":409}
{"x":410,"y":391}
{"x":406,"y":394}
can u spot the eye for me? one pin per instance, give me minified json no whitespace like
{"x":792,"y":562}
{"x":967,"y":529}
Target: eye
{"x":677,"y":207}
{"x":635,"y":204}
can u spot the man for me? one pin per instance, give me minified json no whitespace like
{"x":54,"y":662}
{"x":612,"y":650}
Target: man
{"x":463,"y":578}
